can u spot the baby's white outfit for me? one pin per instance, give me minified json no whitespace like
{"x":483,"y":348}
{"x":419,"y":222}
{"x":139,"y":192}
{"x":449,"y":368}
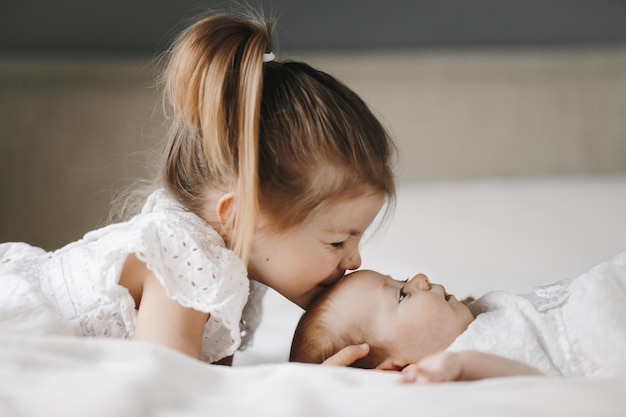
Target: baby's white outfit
{"x":575,"y":327}
{"x":75,"y":290}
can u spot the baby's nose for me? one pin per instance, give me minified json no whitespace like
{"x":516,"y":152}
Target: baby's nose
{"x":421,"y":282}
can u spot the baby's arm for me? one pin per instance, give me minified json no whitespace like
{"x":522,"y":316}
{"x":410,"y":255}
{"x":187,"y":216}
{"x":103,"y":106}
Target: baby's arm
{"x":464,"y":366}
{"x":161,"y":319}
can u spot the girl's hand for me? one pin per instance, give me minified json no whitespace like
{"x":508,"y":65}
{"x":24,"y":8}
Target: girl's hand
{"x":438,"y":367}
{"x":348,"y":355}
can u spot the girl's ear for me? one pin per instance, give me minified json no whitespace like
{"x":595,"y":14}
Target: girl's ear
{"x":224,"y":210}
{"x":391,"y":364}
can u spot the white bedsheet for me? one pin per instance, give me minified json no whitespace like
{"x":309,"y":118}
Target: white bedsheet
{"x":472,"y":236}
{"x":69,"y":377}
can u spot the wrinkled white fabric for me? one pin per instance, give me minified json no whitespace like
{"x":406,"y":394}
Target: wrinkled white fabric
{"x":575,"y":327}
{"x":75,"y":290}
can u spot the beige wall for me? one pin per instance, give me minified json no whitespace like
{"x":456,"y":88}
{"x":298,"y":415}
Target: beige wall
{"x":70,"y":132}
{"x":484,"y":114}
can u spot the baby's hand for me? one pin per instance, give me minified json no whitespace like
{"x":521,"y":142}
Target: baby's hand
{"x":438,"y":367}
{"x":468,"y":300}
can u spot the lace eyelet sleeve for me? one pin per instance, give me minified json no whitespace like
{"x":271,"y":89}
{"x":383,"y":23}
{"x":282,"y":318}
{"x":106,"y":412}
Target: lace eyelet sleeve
{"x":199,"y":272}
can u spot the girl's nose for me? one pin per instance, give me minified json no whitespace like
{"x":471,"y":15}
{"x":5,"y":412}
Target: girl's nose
{"x":421,"y":282}
{"x":351,"y":261}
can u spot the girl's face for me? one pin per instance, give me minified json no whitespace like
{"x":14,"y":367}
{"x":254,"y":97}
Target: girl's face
{"x":299,"y":263}
{"x":411,"y":318}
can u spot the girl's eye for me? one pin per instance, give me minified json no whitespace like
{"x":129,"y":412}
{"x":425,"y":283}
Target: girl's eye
{"x":338,"y":245}
{"x":401,"y":295}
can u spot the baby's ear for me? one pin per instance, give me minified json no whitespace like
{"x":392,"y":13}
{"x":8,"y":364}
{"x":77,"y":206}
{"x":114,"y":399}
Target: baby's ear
{"x":391,"y":364}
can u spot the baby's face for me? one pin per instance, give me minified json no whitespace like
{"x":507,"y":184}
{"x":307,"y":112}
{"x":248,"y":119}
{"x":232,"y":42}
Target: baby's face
{"x":412,"y":318}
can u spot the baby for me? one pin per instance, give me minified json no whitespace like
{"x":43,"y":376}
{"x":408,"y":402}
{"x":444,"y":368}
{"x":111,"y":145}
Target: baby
{"x":575,"y":327}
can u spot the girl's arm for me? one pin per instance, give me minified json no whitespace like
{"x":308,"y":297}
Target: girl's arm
{"x":464,"y":366}
{"x":161,"y":319}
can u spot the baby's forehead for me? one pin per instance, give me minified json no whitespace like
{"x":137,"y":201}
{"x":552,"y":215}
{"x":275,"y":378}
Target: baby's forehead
{"x":365,"y":277}
{"x":364,"y":285}
{"x":360,"y":301}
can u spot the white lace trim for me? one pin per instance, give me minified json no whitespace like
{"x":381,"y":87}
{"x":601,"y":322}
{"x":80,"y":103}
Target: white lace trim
{"x":188,"y":257}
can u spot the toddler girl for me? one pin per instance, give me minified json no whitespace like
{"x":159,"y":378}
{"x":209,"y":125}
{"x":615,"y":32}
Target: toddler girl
{"x":271,"y":172}
{"x":575,"y":327}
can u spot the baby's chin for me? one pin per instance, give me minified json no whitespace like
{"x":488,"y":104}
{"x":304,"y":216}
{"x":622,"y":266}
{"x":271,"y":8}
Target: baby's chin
{"x":469,"y":318}
{"x":462,"y":310}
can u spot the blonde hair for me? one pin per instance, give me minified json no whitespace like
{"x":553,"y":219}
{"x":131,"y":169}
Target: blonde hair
{"x":285,"y":137}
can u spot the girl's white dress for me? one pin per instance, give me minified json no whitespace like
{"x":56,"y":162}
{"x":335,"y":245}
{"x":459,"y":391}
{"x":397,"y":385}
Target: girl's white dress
{"x":575,"y":327}
{"x":75,"y":290}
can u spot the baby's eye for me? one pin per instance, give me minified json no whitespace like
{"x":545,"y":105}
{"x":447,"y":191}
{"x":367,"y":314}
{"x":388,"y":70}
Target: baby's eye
{"x":338,"y":245}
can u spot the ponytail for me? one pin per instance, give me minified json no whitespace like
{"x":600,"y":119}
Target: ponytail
{"x":286,"y":138}
{"x":214,"y":82}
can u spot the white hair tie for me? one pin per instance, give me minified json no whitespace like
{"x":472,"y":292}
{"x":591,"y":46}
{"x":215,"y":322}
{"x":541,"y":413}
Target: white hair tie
{"x":269,"y":57}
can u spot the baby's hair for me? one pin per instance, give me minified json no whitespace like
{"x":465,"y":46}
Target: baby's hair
{"x":286,"y":138}
{"x":318,"y":336}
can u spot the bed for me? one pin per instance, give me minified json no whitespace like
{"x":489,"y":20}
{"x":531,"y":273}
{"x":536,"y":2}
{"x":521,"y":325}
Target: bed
{"x":474,"y":236}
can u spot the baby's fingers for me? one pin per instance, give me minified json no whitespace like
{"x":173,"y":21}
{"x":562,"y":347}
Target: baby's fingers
{"x":440,"y":367}
{"x":412,"y":373}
